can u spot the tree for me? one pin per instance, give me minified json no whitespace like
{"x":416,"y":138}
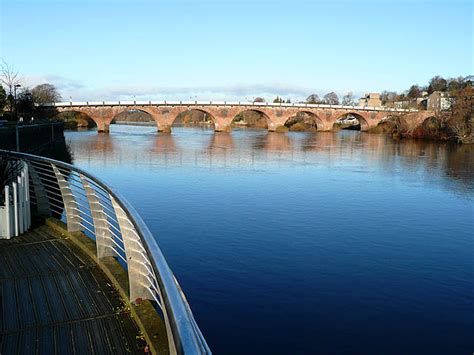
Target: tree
{"x":331,"y":98}
{"x":313,"y":99}
{"x":9,"y":77}
{"x":455,"y":84}
{"x":460,"y":116}
{"x":45,"y":93}
{"x":3,"y":98}
{"x":278,"y":100}
{"x":414,"y":92}
{"x":25,"y":105}
{"x":259,"y":99}
{"x":437,"y":83}
{"x":348,"y":99}
{"x":388,"y":97}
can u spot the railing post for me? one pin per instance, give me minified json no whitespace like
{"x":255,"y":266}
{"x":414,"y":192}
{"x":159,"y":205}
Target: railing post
{"x":15,"y":209}
{"x":72,"y":211}
{"x":42,"y":201}
{"x":21,"y":204}
{"x":17,"y":134}
{"x":27,"y":192}
{"x":7,"y":210}
{"x":103,"y":235}
{"x":137,"y":262}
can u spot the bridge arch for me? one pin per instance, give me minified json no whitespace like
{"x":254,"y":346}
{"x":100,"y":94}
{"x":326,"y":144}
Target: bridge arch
{"x":251,"y":117}
{"x":131,"y":110}
{"x":74,"y":119}
{"x":196,"y":116}
{"x":362,"y":125}
{"x":304,"y":121}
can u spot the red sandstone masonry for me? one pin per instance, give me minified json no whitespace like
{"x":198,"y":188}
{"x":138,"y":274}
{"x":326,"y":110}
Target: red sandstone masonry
{"x":222,"y":115}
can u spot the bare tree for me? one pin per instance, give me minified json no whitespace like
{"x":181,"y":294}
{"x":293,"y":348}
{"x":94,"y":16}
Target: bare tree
{"x":437,"y":83}
{"x":9,"y":77}
{"x":348,"y":99}
{"x":259,"y":99}
{"x":331,"y":98}
{"x":313,"y":99}
{"x":414,"y":92}
{"x":460,"y":116}
{"x":45,"y":93}
{"x":388,"y":97}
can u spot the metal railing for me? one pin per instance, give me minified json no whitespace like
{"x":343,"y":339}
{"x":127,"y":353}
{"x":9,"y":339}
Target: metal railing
{"x":88,"y":205}
{"x":16,"y":218}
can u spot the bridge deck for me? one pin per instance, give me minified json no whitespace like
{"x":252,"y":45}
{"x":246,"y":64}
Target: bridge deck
{"x":55,"y":300}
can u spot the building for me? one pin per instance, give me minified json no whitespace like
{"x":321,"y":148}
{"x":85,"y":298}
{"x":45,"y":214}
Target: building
{"x":418,"y":103}
{"x":372,"y":100}
{"x":438,"y":101}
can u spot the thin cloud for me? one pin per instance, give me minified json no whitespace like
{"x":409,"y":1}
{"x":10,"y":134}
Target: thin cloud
{"x":78,"y":91}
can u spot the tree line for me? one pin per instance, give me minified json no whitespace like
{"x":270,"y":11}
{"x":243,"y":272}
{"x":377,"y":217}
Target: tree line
{"x":330,"y":98}
{"x":18,"y":100}
{"x":437,"y":83}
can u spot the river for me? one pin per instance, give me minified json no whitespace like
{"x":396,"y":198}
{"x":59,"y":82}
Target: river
{"x":305,"y":243}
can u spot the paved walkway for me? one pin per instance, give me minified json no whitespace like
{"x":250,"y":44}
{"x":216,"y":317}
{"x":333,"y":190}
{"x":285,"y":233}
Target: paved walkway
{"x":55,"y":300}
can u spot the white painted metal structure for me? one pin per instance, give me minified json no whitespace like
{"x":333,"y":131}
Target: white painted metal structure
{"x":15,"y":216}
{"x":88,"y":205}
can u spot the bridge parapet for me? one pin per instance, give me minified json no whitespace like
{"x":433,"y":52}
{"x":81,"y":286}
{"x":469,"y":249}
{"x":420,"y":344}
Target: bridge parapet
{"x":166,"y":103}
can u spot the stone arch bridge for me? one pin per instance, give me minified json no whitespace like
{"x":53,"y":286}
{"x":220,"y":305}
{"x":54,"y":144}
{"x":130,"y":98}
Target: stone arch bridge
{"x":222,"y":114}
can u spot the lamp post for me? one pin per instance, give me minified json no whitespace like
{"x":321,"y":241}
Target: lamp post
{"x":14,"y":98}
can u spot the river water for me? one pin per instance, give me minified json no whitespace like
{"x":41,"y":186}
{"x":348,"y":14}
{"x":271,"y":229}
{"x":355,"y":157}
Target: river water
{"x":304,"y":243}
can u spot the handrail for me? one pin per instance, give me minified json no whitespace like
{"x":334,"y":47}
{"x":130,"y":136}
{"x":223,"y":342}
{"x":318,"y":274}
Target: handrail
{"x":150,"y":276}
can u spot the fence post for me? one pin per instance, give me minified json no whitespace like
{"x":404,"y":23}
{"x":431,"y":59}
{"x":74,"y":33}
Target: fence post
{"x":17,"y":133}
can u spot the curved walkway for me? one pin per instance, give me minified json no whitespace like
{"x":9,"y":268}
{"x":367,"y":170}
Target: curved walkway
{"x":55,"y":300}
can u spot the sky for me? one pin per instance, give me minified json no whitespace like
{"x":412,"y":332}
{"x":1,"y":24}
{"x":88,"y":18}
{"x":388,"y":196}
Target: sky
{"x":234,"y":50}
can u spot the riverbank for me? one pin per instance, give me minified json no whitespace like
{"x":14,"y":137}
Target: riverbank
{"x":438,"y":128}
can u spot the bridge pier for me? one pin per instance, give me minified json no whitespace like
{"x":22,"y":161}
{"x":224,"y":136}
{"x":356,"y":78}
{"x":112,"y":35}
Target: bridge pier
{"x":164,"y":129}
{"x":103,"y":127}
{"x":272,"y":127}
{"x":223,"y":129}
{"x":222,"y":123}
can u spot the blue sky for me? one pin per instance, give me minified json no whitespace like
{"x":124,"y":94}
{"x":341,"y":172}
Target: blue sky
{"x":230,"y":49}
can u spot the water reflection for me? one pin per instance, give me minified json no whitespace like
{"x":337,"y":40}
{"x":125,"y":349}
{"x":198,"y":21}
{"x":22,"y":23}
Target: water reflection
{"x":273,"y":142}
{"x":370,"y":236}
{"x":243,"y":148}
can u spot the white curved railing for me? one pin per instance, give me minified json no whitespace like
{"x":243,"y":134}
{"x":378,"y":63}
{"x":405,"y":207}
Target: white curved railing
{"x":89,"y":205}
{"x":15,"y":217}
